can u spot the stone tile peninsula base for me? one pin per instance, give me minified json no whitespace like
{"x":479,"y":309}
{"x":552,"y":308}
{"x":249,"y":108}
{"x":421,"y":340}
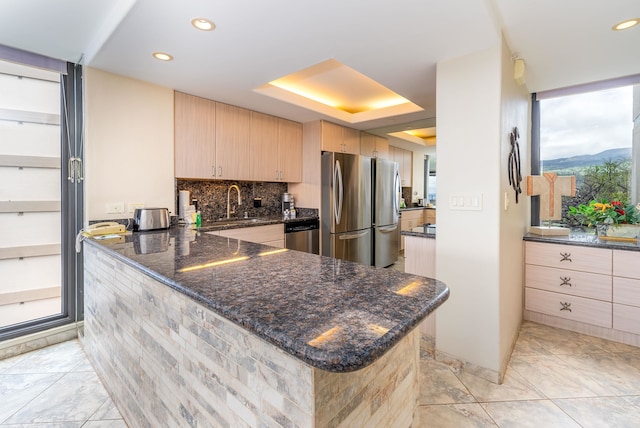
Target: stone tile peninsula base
{"x":168,"y":361}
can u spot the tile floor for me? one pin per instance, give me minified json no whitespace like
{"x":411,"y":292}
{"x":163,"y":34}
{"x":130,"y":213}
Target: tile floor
{"x":54,"y":387}
{"x":556,"y":378}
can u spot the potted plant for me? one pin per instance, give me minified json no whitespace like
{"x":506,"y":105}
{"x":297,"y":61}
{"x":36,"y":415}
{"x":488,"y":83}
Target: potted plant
{"x":612,"y":219}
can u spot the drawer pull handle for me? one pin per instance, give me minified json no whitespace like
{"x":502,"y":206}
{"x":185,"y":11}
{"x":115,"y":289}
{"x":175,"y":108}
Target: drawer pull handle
{"x":566,"y":306}
{"x":566,"y":257}
{"x":565,"y":281}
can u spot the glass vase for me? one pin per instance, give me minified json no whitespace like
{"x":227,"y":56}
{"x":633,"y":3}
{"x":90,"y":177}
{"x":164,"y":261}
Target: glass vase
{"x":620,"y":232}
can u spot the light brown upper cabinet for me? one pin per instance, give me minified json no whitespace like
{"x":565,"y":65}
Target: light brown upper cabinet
{"x":264,"y":147}
{"x":374,"y":146}
{"x":275,"y":149}
{"x":233,"y":129}
{"x":336,"y":138}
{"x":194,"y":133}
{"x":290,"y":150}
{"x":225,"y":142}
{"x":405,"y":164}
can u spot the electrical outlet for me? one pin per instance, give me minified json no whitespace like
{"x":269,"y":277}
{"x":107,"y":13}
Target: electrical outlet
{"x":134,"y":205}
{"x":114,"y":207}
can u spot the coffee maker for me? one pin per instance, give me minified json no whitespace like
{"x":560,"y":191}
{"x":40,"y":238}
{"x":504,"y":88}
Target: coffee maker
{"x":288,"y":207}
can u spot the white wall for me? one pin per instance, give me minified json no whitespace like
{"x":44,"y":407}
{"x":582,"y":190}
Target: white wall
{"x":480,"y":253}
{"x":468,"y":243}
{"x":128,"y":144}
{"x":514,"y":220}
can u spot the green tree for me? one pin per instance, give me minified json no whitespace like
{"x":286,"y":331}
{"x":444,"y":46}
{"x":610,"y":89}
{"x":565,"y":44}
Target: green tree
{"x":608,"y":181}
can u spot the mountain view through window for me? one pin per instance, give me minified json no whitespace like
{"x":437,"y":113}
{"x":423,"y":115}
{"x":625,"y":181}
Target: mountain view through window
{"x":589,"y":135}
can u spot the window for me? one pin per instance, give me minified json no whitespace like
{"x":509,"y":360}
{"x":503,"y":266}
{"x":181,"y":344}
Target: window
{"x":589,"y":135}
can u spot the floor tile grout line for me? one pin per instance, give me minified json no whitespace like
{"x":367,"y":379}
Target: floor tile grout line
{"x":99,"y":407}
{"x":34,"y":397}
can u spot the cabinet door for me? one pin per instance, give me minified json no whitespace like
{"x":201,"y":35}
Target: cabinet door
{"x":374,"y":146}
{"x":367,"y":144}
{"x":332,"y":137}
{"x":351,"y":140}
{"x":194,"y":136}
{"x":263,"y":153}
{"x":398,"y":156}
{"x":290,"y":151}
{"x":430,"y":216}
{"x":382,"y":147}
{"x":407,"y":159}
{"x":625,"y":263}
{"x":233,"y":126}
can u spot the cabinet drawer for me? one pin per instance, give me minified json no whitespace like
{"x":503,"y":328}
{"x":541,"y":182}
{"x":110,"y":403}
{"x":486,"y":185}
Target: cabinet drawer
{"x":591,"y":285}
{"x":626,"y":291}
{"x":594,"y":260}
{"x":272,"y":232}
{"x":626,"y":318}
{"x":573,"y":308}
{"x":626,"y":263}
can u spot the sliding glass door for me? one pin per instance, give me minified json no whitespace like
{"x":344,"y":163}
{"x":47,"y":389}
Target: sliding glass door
{"x":40,"y":206}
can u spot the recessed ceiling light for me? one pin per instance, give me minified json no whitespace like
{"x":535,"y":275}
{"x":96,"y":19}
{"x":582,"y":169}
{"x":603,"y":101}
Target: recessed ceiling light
{"x":626,"y":24}
{"x":162,"y":56}
{"x":203,"y":24}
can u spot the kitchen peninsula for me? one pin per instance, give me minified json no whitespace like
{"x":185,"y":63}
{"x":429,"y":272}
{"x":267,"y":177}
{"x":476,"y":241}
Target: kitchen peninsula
{"x":186,"y":328}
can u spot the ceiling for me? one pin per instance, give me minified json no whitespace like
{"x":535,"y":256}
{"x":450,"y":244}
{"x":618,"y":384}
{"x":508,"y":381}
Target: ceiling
{"x":398,"y":44}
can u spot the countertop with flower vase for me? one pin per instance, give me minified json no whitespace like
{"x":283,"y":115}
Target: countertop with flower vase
{"x":584,"y":238}
{"x":614,"y":220}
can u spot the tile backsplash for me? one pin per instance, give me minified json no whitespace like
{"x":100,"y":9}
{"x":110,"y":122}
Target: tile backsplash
{"x":212,"y":197}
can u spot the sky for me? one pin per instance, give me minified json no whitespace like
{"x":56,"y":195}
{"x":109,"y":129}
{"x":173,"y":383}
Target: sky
{"x":586,"y":123}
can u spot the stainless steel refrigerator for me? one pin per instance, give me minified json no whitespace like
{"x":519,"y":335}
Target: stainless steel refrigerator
{"x":346,"y":207}
{"x":386,"y":211}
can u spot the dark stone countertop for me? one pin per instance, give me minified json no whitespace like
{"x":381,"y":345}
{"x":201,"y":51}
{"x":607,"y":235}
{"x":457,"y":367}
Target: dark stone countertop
{"x":335,"y":315}
{"x":429,"y":233}
{"x":584,"y":239}
{"x":416,"y":208}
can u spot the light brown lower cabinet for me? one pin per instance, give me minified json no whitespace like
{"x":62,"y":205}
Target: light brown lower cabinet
{"x":626,"y":291}
{"x":272,"y":234}
{"x":590,"y":290}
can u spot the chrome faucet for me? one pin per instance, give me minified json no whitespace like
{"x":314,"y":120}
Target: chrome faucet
{"x":233,"y":186}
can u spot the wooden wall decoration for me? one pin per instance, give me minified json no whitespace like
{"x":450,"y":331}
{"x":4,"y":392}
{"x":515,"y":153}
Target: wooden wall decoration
{"x":515,"y":177}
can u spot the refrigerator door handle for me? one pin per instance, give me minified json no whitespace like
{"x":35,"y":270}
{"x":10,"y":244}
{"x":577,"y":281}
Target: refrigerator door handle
{"x":353,"y":235}
{"x":387,"y":229}
{"x":396,"y":184}
{"x":337,"y":187}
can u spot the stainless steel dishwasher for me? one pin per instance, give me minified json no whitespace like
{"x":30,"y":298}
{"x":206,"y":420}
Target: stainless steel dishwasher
{"x":303,"y":235}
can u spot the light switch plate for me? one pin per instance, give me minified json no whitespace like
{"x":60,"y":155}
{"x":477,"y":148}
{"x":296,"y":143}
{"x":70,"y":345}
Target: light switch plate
{"x":465,"y":201}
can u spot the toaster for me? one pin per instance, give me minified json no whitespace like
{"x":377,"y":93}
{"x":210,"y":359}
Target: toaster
{"x":150,"y":219}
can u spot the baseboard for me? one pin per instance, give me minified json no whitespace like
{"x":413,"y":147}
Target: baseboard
{"x":31,"y":342}
{"x":459,"y":365}
{"x":588,"y":329}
